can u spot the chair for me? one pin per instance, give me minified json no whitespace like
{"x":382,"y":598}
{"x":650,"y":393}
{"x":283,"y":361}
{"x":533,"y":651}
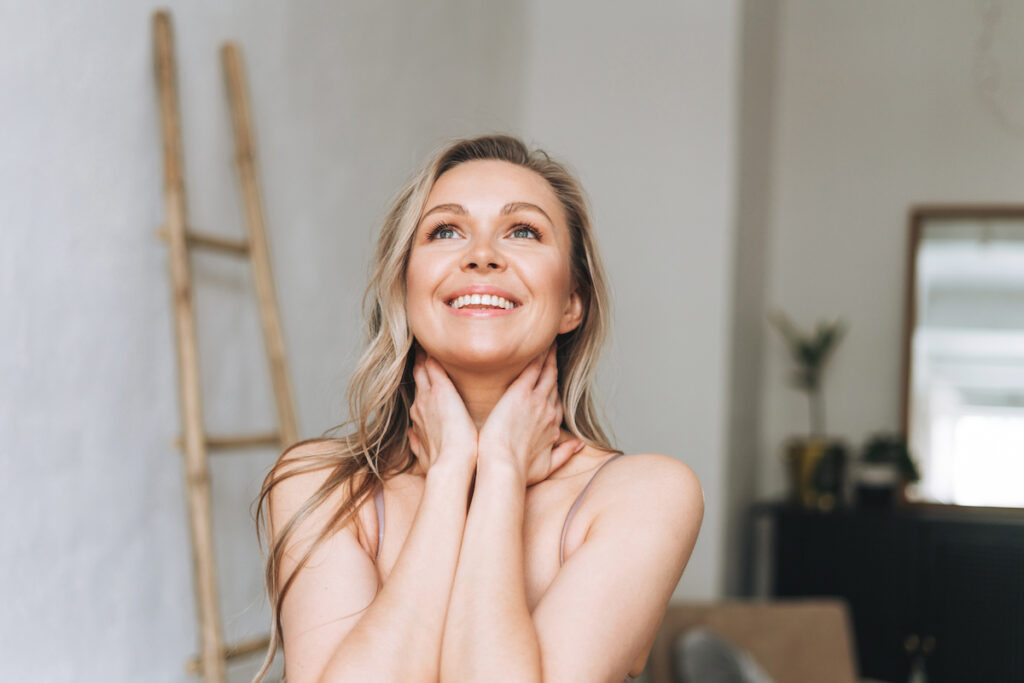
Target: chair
{"x":794,"y":641}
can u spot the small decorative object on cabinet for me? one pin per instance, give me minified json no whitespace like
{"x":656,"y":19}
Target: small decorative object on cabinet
{"x":883,"y":471}
{"x":815,"y":462}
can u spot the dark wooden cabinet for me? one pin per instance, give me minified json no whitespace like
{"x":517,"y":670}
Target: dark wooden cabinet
{"x":911,"y":576}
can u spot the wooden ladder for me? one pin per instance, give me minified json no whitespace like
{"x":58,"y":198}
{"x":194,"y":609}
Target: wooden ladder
{"x":214,"y":653}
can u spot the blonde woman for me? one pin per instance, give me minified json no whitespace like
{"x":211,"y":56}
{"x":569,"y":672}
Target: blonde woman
{"x":474,"y":523}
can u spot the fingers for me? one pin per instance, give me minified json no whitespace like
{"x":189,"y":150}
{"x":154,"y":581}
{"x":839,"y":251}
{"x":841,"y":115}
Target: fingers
{"x":419,"y":371}
{"x":565,"y":450}
{"x":528,"y":378}
{"x":436,"y":372}
{"x":548,"y":379}
{"x":428,"y":372}
{"x":414,"y":443}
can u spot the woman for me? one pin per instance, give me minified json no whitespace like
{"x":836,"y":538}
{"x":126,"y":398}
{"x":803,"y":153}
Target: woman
{"x":474,"y":429}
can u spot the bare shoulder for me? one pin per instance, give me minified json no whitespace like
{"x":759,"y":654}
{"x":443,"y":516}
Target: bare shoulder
{"x":653,"y":492}
{"x":648,"y":494}
{"x":649,"y":478}
{"x":300,"y":473}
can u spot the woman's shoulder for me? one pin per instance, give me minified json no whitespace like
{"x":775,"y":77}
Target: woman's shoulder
{"x":652,"y":499}
{"x":301,"y":470}
{"x":643,"y":481}
{"x":300,"y":474}
{"x":647,"y":468}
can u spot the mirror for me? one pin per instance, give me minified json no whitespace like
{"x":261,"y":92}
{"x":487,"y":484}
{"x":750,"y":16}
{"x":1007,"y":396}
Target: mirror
{"x":963,"y":392}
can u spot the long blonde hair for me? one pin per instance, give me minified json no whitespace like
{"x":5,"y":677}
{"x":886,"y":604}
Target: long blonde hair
{"x":382,"y":389}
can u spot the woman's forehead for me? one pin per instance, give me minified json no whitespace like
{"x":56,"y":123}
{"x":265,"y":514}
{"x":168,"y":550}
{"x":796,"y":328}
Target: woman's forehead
{"x":484,"y":185}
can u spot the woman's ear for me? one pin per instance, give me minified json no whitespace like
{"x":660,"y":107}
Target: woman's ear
{"x":572,"y":316}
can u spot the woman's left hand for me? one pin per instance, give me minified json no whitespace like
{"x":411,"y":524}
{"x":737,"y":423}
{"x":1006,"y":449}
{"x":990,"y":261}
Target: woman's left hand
{"x":525,"y":424}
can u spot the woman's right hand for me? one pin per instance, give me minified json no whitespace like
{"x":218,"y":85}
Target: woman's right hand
{"x":442,"y":430}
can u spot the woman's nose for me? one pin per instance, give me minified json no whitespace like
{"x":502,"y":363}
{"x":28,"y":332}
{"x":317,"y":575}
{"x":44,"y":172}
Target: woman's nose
{"x":481,"y":255}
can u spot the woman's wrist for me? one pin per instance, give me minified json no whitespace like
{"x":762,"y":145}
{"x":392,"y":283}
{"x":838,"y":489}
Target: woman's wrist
{"x":502,"y":468}
{"x":457,"y":469}
{"x":495,"y":451}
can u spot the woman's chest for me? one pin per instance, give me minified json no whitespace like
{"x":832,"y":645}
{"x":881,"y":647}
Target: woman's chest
{"x":546,"y":508}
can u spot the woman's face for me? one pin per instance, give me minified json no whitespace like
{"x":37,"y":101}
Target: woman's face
{"x":488,"y":282}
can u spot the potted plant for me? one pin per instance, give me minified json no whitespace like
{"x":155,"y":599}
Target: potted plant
{"x":886,"y":466}
{"x":816,"y":462}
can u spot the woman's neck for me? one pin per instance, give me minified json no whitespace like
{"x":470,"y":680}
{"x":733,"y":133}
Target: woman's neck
{"x":480,"y":392}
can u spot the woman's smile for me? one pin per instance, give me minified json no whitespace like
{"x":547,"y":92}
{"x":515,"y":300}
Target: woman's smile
{"x":481,"y":302}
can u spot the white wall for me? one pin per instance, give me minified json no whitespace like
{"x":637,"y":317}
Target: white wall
{"x":876,"y":110}
{"x":643,"y":104}
{"x":347,"y":98}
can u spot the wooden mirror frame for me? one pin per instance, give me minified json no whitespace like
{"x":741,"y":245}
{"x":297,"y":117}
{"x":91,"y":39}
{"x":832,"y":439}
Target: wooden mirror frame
{"x":918,"y":215}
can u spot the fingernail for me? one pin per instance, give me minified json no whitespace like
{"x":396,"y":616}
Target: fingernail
{"x":579,"y":447}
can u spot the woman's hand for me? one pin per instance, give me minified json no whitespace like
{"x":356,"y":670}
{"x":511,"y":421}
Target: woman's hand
{"x":441,"y":431}
{"x":525,"y":424}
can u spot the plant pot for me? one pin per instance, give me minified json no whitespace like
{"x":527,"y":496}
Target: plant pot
{"x":816,"y":471}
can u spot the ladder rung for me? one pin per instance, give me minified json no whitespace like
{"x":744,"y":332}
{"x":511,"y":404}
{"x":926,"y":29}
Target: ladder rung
{"x":229,"y":442}
{"x":198,"y":239}
{"x":240,"y":649}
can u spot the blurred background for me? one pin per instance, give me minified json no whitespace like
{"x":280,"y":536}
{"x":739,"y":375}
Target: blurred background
{"x":741,"y":156}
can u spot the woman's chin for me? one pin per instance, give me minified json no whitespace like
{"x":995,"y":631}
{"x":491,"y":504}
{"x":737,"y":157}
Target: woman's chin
{"x":481,"y":360}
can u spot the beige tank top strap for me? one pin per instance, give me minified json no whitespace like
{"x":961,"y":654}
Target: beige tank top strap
{"x":378,"y":501}
{"x":575,"y":505}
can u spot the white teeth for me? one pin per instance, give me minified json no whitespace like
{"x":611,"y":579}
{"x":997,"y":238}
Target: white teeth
{"x":481,"y":300}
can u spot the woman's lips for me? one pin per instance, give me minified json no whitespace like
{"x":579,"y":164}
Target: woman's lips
{"x":481,"y":301}
{"x":479,"y":291}
{"x":481,"y":312}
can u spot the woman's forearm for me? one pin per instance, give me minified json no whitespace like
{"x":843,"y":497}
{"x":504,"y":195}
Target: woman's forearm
{"x":398,"y":638}
{"x":489,"y":634}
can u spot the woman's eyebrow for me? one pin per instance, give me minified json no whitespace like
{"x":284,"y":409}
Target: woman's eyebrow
{"x":451,"y":208}
{"x":527,"y":206}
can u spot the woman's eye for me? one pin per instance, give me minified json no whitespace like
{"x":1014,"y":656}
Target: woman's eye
{"x":526,"y":231}
{"x":442,"y":232}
